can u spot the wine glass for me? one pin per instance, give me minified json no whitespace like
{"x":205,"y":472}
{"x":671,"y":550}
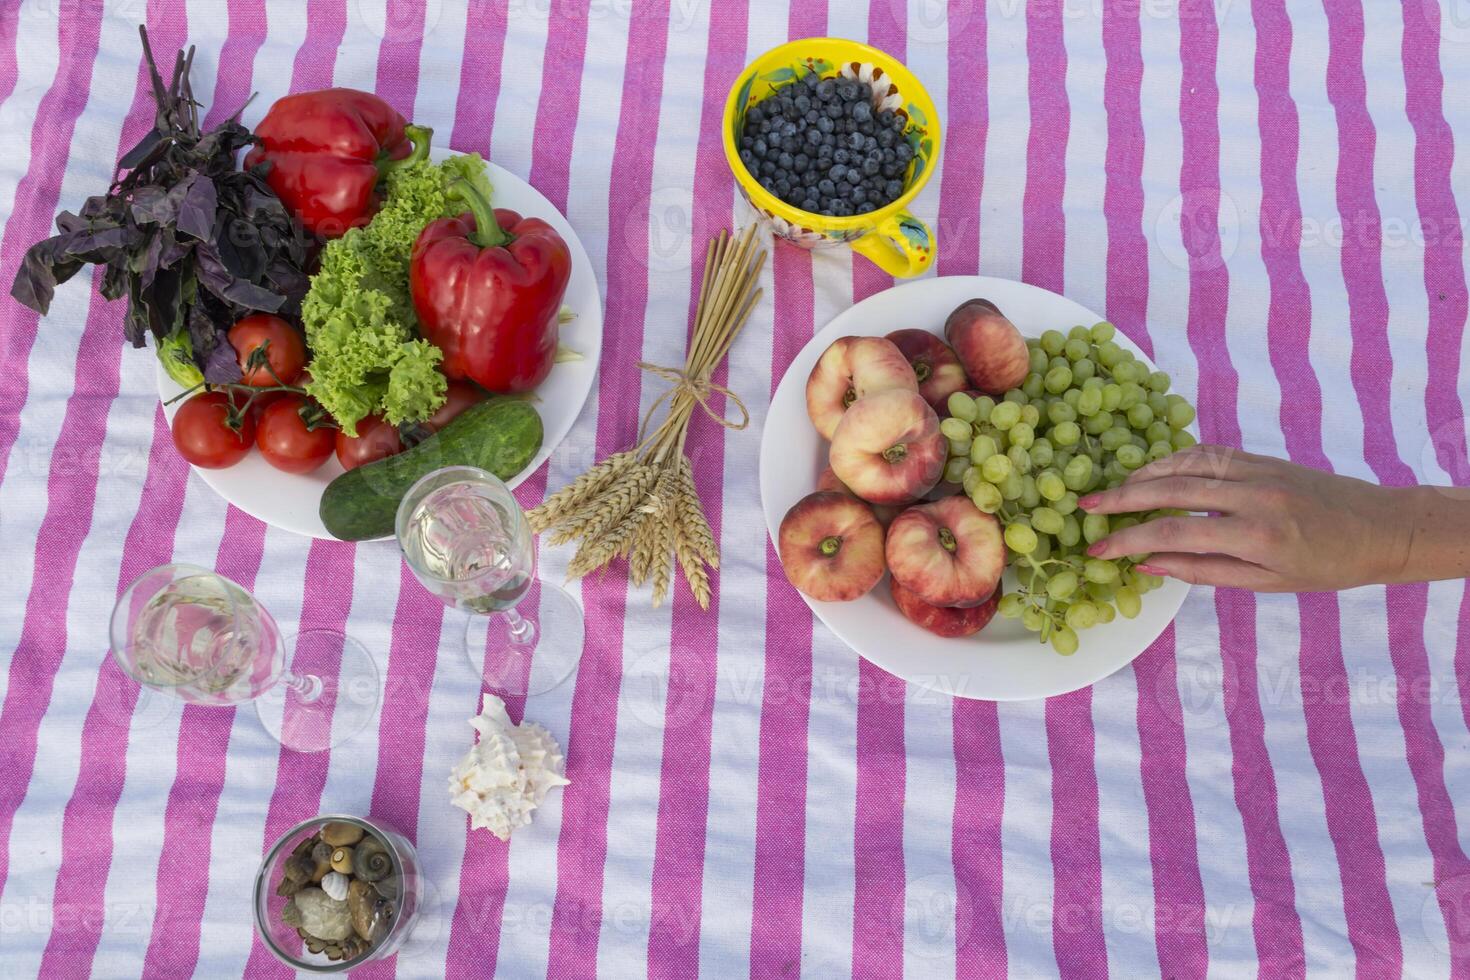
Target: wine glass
{"x":189,"y":632}
{"x":469,"y":543}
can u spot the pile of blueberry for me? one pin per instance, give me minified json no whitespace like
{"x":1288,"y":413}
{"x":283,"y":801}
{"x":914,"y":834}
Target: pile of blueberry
{"x":819,"y":145}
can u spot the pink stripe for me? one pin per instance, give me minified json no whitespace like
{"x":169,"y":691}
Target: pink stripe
{"x":878,"y":859}
{"x":781,"y":772}
{"x":561,"y":96}
{"x":979,"y":804}
{"x":1277,"y":926}
{"x":1046,"y":147}
{"x":325,"y":602}
{"x":36,"y":198}
{"x":1444,"y":280}
{"x":975,"y":833}
{"x":1179,"y":895}
{"x":889,"y":33}
{"x":1076,"y":852}
{"x":182,"y":883}
{"x":204,"y":734}
{"x":326,"y":23}
{"x":967,"y":124}
{"x":1444,"y":273}
{"x":781,"y":778}
{"x":1173,"y":848}
{"x":683,"y":800}
{"x":71,"y":493}
{"x":479,"y":76}
{"x":1368,"y":305}
{"x":484,"y":875}
{"x":398,"y":55}
{"x":9,"y":68}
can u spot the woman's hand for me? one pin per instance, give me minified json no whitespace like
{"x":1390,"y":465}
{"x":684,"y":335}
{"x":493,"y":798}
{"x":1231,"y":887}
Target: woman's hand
{"x":1263,"y":523}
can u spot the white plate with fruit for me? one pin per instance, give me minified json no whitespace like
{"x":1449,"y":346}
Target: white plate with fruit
{"x":853,"y":538}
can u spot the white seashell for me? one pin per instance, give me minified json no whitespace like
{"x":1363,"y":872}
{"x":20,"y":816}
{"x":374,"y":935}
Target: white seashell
{"x":335,"y":884}
{"x":507,"y":772}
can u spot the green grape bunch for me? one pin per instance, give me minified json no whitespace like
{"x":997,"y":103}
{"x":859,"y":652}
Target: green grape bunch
{"x":1088,"y":414}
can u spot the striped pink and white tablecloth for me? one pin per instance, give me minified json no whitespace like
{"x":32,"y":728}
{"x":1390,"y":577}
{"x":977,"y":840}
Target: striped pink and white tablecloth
{"x":1265,"y":195}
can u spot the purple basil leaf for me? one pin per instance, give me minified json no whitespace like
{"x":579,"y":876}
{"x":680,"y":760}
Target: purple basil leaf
{"x":153,"y":205}
{"x":140,"y":150}
{"x":196,"y":212}
{"x":216,"y":278}
{"x":222,"y":365}
{"x":45,"y":266}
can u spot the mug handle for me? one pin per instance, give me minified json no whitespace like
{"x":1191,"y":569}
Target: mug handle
{"x":901,"y":245}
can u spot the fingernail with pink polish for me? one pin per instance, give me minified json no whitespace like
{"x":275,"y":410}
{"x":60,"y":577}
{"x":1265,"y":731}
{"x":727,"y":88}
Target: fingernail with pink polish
{"x":1096,"y":548}
{"x":1150,"y":569}
{"x":1089,"y":502}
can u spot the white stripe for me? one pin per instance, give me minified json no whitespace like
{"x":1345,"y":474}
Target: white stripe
{"x":1028,"y":901}
{"x":1008,"y":101}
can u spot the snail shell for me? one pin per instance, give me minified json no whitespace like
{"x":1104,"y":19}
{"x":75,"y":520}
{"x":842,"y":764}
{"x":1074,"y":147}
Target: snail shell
{"x":372,"y":861}
{"x":321,"y":854}
{"x":342,"y":860}
{"x":341,"y":834}
{"x":335,"y":884}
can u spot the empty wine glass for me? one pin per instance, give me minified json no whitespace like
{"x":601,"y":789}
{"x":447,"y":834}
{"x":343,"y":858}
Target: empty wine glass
{"x":467,"y":540}
{"x":189,"y":632}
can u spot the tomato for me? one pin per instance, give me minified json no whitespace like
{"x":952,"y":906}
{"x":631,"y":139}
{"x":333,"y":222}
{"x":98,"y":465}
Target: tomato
{"x":202,"y":436}
{"x":460,"y":396}
{"x":286,"y":442}
{"x":286,"y":353}
{"x":376,"y":440}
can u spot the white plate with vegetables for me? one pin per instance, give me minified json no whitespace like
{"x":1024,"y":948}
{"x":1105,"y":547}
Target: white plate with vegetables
{"x":1003,"y":661}
{"x":291,"y":501}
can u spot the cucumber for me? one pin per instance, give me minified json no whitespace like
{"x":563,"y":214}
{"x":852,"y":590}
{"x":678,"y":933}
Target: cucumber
{"x":501,"y":435}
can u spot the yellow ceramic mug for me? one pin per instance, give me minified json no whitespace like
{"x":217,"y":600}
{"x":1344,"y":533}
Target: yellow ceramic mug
{"x":899,"y":243}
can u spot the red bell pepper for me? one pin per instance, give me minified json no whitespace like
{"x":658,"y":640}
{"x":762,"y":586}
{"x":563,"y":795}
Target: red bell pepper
{"x":327,"y":152}
{"x":487,"y":287}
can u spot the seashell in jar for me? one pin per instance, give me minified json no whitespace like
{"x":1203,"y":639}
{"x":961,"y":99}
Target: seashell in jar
{"x":335,"y":884}
{"x":370,"y":912}
{"x":339,"y":833}
{"x":342,"y":860}
{"x":323,"y":916}
{"x":371,"y":860}
{"x":321,"y":855}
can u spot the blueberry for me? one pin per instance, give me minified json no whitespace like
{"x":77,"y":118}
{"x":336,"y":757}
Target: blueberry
{"x":760,"y":147}
{"x":886,"y":137}
{"x":854,"y":141}
{"x":768,"y":167}
{"x":865,"y":91}
{"x":827,"y":186}
{"x":865,"y":207}
{"x":871,"y":166}
{"x":800,"y":162}
{"x":834,"y":109}
{"x":813,"y":137}
{"x":896,"y":123}
{"x":786,"y":161}
{"x":780,"y":173}
{"x":803,"y":103}
{"x":862,"y":111}
{"x":840,"y":156}
{"x":810,"y":80}
{"x":854,"y":176}
{"x":809,"y":204}
{"x":848,"y":90}
{"x":755,"y":115}
{"x":904,"y":152}
{"x":782,"y":188}
{"x":893,"y":189}
{"x":869,"y":144}
{"x":748,"y":158}
{"x":827,"y":212}
{"x":791,"y":144}
{"x":824,"y":152}
{"x":838,"y":171}
{"x":889,"y":155}
{"x":858,"y":195}
{"x":824,"y":124}
{"x":810,"y":117}
{"x":891,"y":170}
{"x":826,"y":88}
